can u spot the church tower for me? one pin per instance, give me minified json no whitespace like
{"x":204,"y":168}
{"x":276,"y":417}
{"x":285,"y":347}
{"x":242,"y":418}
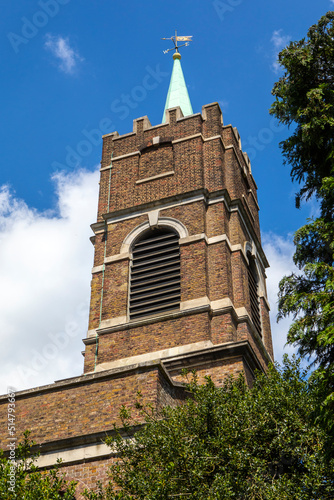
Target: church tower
{"x":178,"y":282}
{"x":179,"y":271}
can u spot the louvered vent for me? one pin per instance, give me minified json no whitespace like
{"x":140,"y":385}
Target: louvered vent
{"x":254,"y":297}
{"x":155,"y":274}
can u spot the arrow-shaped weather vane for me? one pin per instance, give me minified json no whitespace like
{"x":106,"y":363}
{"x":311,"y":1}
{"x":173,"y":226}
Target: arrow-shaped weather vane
{"x":176,"y":39}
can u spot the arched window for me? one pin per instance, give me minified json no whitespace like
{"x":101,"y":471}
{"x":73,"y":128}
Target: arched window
{"x":155,"y":274}
{"x":253,"y":280}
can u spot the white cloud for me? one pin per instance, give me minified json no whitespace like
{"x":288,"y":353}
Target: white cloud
{"x":279,"y":41}
{"x":223,"y":105}
{"x":279,"y":251}
{"x":45,"y":264}
{"x":66,"y":56}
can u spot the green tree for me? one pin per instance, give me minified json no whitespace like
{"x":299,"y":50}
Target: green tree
{"x":20,"y":478}
{"x":232,"y":442}
{"x":305,"y":99}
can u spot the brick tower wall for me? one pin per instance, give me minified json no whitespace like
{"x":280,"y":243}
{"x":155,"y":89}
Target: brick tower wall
{"x":191,"y":170}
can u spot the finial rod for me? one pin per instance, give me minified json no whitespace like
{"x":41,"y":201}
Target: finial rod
{"x":176,"y":39}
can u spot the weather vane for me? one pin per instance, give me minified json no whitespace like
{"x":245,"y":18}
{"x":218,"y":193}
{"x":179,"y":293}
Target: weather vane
{"x":176,"y":39}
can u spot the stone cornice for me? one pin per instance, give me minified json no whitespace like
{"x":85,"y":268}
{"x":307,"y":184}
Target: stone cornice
{"x":87,"y":379}
{"x":221,"y":351}
{"x":195,"y":306}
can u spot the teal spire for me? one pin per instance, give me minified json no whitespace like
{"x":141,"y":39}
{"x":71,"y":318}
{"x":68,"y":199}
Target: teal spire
{"x":177,"y":92}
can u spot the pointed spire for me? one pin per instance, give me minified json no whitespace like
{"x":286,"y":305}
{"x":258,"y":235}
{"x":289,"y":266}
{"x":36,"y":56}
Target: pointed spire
{"x":177,"y":92}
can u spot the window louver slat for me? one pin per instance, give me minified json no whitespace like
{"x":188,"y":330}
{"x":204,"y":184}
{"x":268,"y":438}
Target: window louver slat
{"x":163,"y":308}
{"x":155,"y":246}
{"x":154,"y":239}
{"x":149,"y":260}
{"x":175,"y":269}
{"x":155,"y":275}
{"x":163,"y":298}
{"x":137,"y":271}
{"x":155,"y":296}
{"x":157,"y":253}
{"x":145,"y":288}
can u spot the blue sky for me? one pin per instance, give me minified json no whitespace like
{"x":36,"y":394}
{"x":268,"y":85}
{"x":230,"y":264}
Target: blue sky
{"x":75,"y":70}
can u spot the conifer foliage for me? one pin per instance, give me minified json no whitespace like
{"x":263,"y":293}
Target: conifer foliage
{"x":305,"y":99}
